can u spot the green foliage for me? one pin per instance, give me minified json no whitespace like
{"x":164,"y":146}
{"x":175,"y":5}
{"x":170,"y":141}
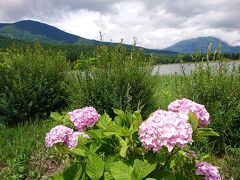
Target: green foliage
{"x":142,"y":168}
{"x":121,"y":171}
{"x":31,"y":83}
{"x":8,"y":42}
{"x":76,"y":52}
{"x":200,"y":134}
{"x":85,"y":64}
{"x":115,"y":152}
{"x":17,"y":167}
{"x":95,"y":166}
{"x":73,"y":172}
{"x":115,"y":78}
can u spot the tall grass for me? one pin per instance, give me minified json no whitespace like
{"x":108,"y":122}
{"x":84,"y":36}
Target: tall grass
{"x":166,"y":89}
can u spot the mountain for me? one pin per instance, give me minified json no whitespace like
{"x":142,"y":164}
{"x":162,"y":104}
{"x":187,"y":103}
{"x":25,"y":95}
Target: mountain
{"x":30,"y":31}
{"x":201,"y":43}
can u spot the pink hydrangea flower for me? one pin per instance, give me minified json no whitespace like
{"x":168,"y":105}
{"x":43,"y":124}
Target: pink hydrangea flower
{"x":63,"y":134}
{"x":208,"y":171}
{"x":165,"y":128}
{"x":185,"y":106}
{"x":84,"y":118}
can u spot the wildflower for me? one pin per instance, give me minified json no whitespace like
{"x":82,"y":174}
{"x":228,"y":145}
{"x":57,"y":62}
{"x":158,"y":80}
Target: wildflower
{"x":208,"y":171}
{"x":185,"y":106}
{"x":165,"y":128}
{"x":84,"y":118}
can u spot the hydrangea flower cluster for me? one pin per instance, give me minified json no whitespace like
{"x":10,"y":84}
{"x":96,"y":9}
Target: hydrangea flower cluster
{"x":84,"y":118}
{"x":165,"y":128}
{"x":185,"y":106}
{"x":209,"y":171}
{"x":63,"y":134}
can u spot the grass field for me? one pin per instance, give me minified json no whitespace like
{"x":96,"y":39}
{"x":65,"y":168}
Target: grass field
{"x":23,"y":152}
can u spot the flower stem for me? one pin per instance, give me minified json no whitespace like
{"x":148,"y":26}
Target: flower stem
{"x":168,"y":157}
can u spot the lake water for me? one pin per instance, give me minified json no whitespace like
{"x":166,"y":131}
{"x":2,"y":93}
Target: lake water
{"x":166,"y":69}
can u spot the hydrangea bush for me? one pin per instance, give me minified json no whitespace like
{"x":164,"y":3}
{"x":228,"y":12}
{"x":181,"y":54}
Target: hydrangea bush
{"x":126,"y":147}
{"x":167,"y":129}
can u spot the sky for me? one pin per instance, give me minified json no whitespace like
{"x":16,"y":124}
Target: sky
{"x":154,"y":23}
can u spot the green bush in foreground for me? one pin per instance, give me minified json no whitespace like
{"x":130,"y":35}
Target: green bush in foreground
{"x":31,"y":83}
{"x":114,"y":77}
{"x":127,"y":147}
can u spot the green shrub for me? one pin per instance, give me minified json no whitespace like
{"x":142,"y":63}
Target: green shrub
{"x":118,"y":78}
{"x":31,"y":83}
{"x":218,"y":88}
{"x":126,"y":147}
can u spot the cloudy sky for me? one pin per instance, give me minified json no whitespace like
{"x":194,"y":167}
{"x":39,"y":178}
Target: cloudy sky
{"x":155,"y":23}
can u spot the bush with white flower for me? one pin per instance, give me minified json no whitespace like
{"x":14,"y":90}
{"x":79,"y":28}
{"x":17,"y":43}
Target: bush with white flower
{"x":126,"y":147}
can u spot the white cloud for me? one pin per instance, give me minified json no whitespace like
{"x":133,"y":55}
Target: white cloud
{"x":81,"y":23}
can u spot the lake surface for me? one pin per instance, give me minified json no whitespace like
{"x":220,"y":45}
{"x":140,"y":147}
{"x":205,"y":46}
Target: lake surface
{"x":166,"y":69}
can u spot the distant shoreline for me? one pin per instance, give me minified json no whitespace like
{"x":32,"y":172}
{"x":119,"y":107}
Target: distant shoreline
{"x":176,"y":68}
